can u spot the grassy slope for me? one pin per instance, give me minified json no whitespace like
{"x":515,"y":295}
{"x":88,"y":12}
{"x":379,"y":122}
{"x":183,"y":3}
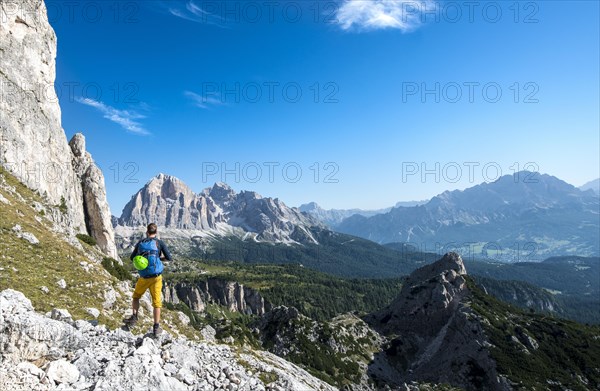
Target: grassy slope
{"x":574,"y":281}
{"x":27,"y":267}
{"x":567,"y":352}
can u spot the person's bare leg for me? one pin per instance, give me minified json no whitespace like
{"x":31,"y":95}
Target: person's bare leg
{"x":156,"y":315}
{"x":135,"y":305}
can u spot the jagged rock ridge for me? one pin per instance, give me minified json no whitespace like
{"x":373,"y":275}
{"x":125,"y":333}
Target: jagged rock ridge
{"x":171,"y":204}
{"x":34,"y":147}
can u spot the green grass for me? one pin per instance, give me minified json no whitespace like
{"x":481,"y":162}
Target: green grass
{"x":87,"y":239}
{"x":27,"y":267}
{"x":116,"y":270}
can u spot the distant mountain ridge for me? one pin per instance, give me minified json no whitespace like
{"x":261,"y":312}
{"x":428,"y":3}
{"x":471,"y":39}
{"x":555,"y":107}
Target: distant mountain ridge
{"x":526,"y":214}
{"x":333,"y":217}
{"x":171,"y":204}
{"x":592,"y":185}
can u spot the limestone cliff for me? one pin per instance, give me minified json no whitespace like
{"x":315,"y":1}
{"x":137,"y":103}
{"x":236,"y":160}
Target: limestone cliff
{"x":33,"y":145}
{"x":233,"y":295}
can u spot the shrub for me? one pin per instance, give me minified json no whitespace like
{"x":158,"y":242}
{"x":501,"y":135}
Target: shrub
{"x":116,"y":270}
{"x":87,"y":239}
{"x":63,"y":205}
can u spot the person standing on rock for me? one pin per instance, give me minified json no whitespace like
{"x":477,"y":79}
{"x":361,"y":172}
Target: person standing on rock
{"x":147,"y":258}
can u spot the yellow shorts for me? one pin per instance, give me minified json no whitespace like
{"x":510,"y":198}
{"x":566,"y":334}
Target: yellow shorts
{"x":155,"y":286}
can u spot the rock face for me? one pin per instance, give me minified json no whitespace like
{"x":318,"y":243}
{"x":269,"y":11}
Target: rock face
{"x":435,"y":336}
{"x":34,"y":147}
{"x":45,"y":354}
{"x":429,"y":297}
{"x":97,"y":212}
{"x":171,"y":204}
{"x":236,"y":297}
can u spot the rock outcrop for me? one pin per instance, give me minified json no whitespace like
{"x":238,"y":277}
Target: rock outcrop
{"x":39,"y":353}
{"x":171,"y":204}
{"x":233,"y":295}
{"x":34,"y":146}
{"x":98,"y":218}
{"x":434,"y":334}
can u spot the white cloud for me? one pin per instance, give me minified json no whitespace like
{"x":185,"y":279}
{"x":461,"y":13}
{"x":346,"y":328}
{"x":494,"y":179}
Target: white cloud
{"x":126,"y":119}
{"x":196,"y":13}
{"x":381,"y":14}
{"x":203,"y":102}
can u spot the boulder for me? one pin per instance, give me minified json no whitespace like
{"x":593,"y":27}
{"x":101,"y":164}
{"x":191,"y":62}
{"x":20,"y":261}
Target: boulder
{"x":62,"y":372}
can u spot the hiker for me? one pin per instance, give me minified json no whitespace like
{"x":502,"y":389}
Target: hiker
{"x":147,"y":259}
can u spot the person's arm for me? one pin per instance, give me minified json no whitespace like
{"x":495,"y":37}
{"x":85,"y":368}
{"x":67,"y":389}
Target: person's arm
{"x":135,"y":251}
{"x":165,"y":251}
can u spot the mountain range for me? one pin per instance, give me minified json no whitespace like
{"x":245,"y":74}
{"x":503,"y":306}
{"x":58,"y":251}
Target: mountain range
{"x":333,"y":217}
{"x":525,"y":216}
{"x":219,"y":210}
{"x":244,"y":308}
{"x":219,"y":223}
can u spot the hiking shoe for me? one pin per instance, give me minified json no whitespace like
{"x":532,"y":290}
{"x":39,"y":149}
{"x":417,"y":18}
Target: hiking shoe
{"x":156,"y":330}
{"x":131,"y":321}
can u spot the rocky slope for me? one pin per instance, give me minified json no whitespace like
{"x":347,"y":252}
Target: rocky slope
{"x":525,"y":216}
{"x":338,"y":350}
{"x":41,"y":353}
{"x":232,"y":295}
{"x":438,"y":337}
{"x":219,"y":210}
{"x":443,"y":328}
{"x":34,"y":147}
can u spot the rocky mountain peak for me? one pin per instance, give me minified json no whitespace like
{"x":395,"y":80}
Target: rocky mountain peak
{"x":170,"y":203}
{"x":221,"y":192}
{"x":311,"y":206}
{"x":450,"y":264}
{"x":428,"y":298}
{"x":168,"y":187}
{"x":77,"y":145}
{"x":430,"y":321}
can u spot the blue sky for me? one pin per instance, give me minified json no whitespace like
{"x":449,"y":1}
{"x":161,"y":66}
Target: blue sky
{"x":360,"y":96}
